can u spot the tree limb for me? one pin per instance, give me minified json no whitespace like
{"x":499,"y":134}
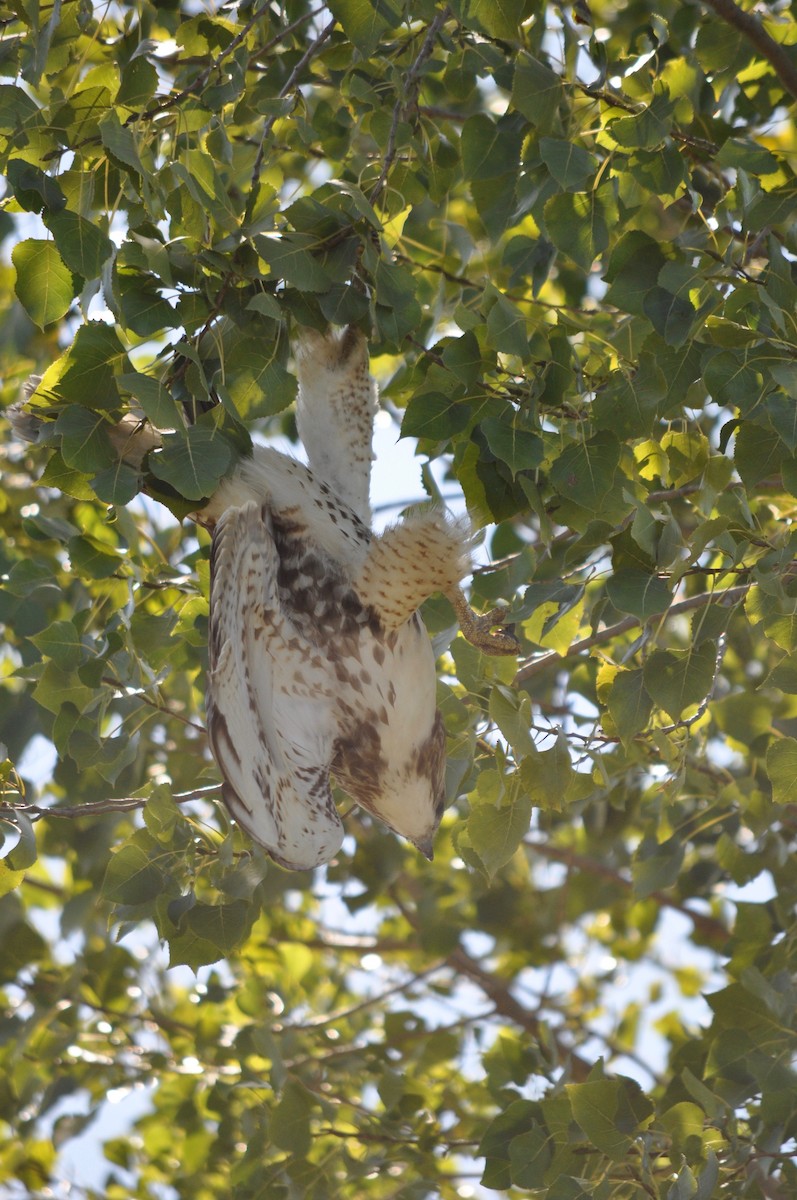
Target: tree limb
{"x":95,"y":808}
{"x":708,"y":927}
{"x":537,"y":665}
{"x":408,"y":97}
{"x":750,"y":27}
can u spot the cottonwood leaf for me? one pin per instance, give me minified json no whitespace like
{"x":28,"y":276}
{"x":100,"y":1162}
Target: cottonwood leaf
{"x":610,"y":1112}
{"x":45,"y":286}
{"x":83,"y":247}
{"x":290,"y":1121}
{"x":132,"y":876}
{"x":496,"y":831}
{"x":677,"y":679}
{"x":85,"y":444}
{"x":192,"y":461}
{"x":629,"y":703}
{"x":782,"y":770}
{"x":638,"y":593}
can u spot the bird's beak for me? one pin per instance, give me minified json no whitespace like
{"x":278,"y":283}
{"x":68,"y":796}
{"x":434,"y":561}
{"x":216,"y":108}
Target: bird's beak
{"x":425,"y":847}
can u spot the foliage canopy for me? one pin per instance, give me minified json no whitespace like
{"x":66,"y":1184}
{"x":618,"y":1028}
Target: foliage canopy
{"x":571,"y":238}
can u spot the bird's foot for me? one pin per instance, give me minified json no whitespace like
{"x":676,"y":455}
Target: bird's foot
{"x":488,"y":631}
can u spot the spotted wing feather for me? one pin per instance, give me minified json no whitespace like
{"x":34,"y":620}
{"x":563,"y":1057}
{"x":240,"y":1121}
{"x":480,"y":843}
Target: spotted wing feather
{"x":269,"y":701}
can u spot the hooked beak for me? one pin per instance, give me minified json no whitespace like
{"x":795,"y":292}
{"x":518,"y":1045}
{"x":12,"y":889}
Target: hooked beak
{"x":425,"y":847}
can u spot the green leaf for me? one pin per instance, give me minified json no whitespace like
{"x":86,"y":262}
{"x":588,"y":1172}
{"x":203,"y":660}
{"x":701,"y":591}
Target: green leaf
{"x":747,"y":154}
{"x":158,"y":405}
{"x":83,"y":247}
{"x":782,"y":769}
{"x":636,"y":592}
{"x":289,"y":255}
{"x":489,"y":148}
{"x":209,"y":932}
{"x":671,"y":316}
{"x":684,"y":1123}
{"x":290,"y":1121}
{"x":678,"y":679}
{"x":63,"y":644}
{"x":57,"y":688}
{"x":645,"y":130}
{"x":58,"y":475}
{"x":9,"y":879}
{"x":657,"y":865}
{"x":571,"y":165}
{"x":92,"y":559}
{"x":496,"y":831}
{"x":45,"y":286}
{"x":496,"y":18}
{"x":537,"y":93}
{"x":139,"y":83}
{"x":515,"y":1120}
{"x":85,"y":444}
{"x":585,"y":472}
{"x":192,"y":461}
{"x":513,"y":716}
{"x":506,"y":327}
{"x":26,"y":851}
{"x":433,"y":415}
{"x":549,"y":777}
{"x":117,"y":484}
{"x":364,"y":22}
{"x":611,"y":1112}
{"x":629,"y":704}
{"x":518,"y":448}
{"x":85,"y":373}
{"x":530,"y":1156}
{"x":17,"y":109}
{"x":119,"y":140}
{"x":132,"y":876}
{"x":143,"y":308}
{"x":578,"y":224}
{"x":34,"y":189}
{"x":758,"y":453}
{"x":633,"y":270}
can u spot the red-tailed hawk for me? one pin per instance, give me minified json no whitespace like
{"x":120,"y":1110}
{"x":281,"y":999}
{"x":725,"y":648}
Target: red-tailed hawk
{"x":320,"y":665}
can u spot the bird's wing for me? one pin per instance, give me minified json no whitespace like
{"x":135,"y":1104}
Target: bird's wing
{"x":335,"y":412}
{"x":270,"y":705}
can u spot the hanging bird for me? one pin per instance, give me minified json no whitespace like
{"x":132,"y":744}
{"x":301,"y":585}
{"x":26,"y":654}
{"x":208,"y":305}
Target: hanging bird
{"x":320,"y":665}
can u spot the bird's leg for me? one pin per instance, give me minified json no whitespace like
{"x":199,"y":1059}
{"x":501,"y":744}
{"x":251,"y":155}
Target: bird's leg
{"x":478,"y":629}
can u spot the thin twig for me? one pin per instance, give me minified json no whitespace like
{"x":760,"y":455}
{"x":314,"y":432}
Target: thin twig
{"x":287,"y":87}
{"x":750,"y":27}
{"x":123,"y":690}
{"x":537,"y":665}
{"x":708,"y":927}
{"x":198,"y":84}
{"x":406,"y":100}
{"x":97,"y":807}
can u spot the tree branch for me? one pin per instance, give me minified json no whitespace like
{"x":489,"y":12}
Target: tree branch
{"x":505,"y":1004}
{"x":94,"y":808}
{"x":750,"y":27}
{"x":407,"y":99}
{"x":537,"y":665}
{"x":287,"y":87}
{"x":708,"y":927}
{"x":499,"y":991}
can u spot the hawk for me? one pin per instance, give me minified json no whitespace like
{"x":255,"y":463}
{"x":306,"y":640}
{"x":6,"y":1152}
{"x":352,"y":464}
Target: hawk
{"x":320,"y":667}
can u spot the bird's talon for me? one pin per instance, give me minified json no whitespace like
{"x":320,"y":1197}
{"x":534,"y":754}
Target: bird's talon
{"x":488,"y":631}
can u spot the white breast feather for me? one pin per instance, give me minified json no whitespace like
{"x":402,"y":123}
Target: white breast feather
{"x":319,"y":662}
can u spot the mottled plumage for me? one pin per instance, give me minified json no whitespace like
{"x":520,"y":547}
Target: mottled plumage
{"x":320,"y":664}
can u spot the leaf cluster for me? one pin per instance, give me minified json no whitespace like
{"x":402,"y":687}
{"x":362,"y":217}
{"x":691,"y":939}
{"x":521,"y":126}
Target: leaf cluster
{"x":572,"y":247}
